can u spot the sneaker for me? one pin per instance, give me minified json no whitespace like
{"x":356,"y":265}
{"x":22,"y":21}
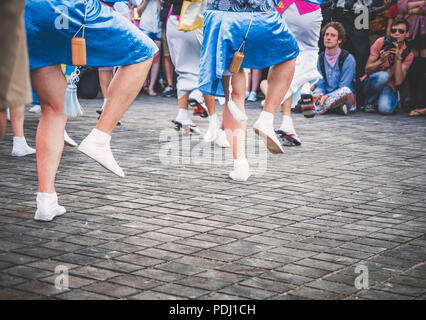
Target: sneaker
{"x":307,"y":105}
{"x":96,"y":147}
{"x":187,"y":128}
{"x":201,"y":111}
{"x":35,"y":109}
{"x":287,"y":139}
{"x":344,"y":109}
{"x":252,"y":96}
{"x":168,"y":92}
{"x":369,"y":108}
{"x":21,"y":148}
{"x":47,"y":207}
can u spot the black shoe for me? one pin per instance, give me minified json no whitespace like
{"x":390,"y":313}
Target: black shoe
{"x":307,"y":105}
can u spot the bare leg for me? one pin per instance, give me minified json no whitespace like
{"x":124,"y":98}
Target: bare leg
{"x":255,"y":79}
{"x":17,"y":116}
{"x":3,"y":124}
{"x":235,"y":131}
{"x":168,"y":70}
{"x":123,"y":89}
{"x":209,"y":100}
{"x":49,"y":84}
{"x":154,"y":70}
{"x":105,"y":78}
{"x":287,"y":106}
{"x":279,"y":80}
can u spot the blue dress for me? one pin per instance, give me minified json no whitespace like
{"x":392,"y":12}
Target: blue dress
{"x":111,"y":39}
{"x":226,"y":23}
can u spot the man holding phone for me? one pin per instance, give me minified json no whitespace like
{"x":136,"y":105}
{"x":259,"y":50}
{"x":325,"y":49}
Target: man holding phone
{"x":386,"y":69}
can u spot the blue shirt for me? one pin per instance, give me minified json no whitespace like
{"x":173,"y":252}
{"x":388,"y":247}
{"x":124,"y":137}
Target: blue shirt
{"x":335,"y":78}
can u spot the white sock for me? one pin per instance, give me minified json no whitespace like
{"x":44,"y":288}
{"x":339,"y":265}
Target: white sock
{"x":214,"y":121}
{"x":105,"y":101}
{"x":20,"y":147}
{"x":287,"y":125}
{"x":183,"y":116}
{"x":47,"y":206}
{"x":267,"y":118}
{"x":100,"y":135}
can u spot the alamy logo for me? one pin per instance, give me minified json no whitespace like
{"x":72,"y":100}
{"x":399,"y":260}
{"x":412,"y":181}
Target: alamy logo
{"x":62,"y":280}
{"x":361,"y":282}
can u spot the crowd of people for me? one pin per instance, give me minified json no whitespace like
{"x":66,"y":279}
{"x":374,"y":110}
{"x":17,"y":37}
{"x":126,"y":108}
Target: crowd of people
{"x":313,"y":57}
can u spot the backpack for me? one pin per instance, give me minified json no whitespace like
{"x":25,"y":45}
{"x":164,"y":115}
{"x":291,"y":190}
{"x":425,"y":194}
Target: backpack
{"x":342,"y":57}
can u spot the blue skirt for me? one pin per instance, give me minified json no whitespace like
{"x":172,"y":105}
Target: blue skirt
{"x":111,"y":39}
{"x":268,"y":43}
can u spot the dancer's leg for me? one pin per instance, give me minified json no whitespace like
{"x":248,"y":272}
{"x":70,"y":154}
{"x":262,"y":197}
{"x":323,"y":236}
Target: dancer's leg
{"x":49,"y":84}
{"x":17,"y":116}
{"x":279,"y":80}
{"x":124,"y":88}
{"x":20,"y":146}
{"x":235,"y":131}
{"x":154,"y":70}
{"x":105,"y":77}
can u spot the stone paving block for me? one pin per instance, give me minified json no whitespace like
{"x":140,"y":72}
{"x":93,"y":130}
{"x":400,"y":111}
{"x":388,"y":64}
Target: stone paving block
{"x":8,"y":280}
{"x":270,"y":285}
{"x":180,"y":268}
{"x":404,"y":289}
{"x":139,"y":260}
{"x":118,"y":266}
{"x":160,"y":275}
{"x":247,"y":292}
{"x":137,"y":282}
{"x":319,"y":264}
{"x":40,"y":288}
{"x":13,"y":294}
{"x":111,"y":289}
{"x":27,"y":272}
{"x":79,"y":294}
{"x":204,"y":283}
{"x":242,"y":248}
{"x":152,"y":295}
{"x":303,"y":271}
{"x":182,"y":291}
{"x":373,"y":294}
{"x":315,"y":294}
{"x":93,"y":273}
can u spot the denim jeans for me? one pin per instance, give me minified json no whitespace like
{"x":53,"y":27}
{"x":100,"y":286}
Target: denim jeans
{"x":375,"y":88}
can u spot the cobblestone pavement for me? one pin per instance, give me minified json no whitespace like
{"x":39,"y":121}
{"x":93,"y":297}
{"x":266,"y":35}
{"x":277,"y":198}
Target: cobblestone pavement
{"x":304,"y":226}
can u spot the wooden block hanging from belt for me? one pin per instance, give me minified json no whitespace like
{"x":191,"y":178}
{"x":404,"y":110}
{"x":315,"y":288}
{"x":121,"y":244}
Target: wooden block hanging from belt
{"x":78,"y":51}
{"x":236,"y":62}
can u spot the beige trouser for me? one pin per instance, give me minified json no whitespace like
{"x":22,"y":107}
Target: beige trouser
{"x":15,"y":85}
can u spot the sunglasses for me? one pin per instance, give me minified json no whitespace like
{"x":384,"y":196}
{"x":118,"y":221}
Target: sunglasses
{"x":400,"y":31}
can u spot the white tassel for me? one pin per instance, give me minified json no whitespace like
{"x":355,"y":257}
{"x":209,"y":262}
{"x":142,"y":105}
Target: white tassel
{"x":72,"y":107}
{"x":238,"y":115}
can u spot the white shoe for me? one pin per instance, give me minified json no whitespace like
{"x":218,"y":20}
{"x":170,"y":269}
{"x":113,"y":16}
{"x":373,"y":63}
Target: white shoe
{"x":97,"y":146}
{"x":68,"y":141}
{"x":47,"y":207}
{"x":8,"y":114}
{"x":252,"y":96}
{"x":21,"y":148}
{"x":221,"y":139}
{"x":36,"y":108}
{"x":241,"y":170}
{"x":213,"y":129}
{"x":267,"y":133}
